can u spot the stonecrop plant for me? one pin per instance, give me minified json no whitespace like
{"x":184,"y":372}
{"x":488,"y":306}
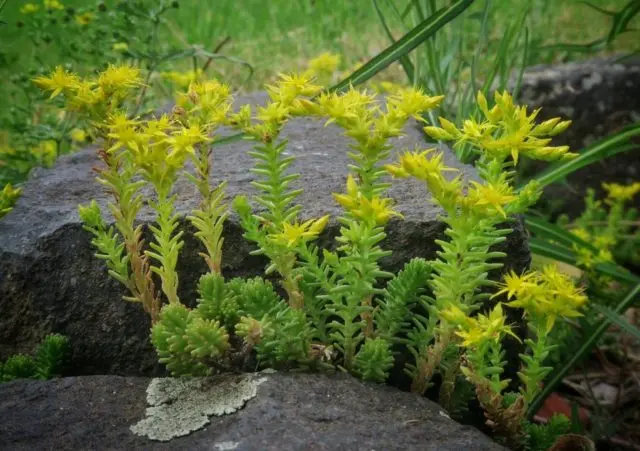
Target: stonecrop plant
{"x":331,"y":309}
{"x":610,"y":225}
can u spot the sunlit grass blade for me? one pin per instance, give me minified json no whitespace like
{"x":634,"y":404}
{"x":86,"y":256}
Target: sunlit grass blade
{"x":545,"y":229}
{"x":502,"y":67}
{"x":602,"y":149}
{"x":404,"y":45}
{"x":622,"y":18}
{"x":618,"y":320}
{"x":405,"y":61}
{"x":590,"y":342}
{"x":557,"y":252}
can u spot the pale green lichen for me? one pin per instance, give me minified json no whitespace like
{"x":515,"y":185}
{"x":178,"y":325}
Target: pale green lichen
{"x":179,"y":406}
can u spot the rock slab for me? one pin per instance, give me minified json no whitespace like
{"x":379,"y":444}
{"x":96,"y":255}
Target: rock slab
{"x":289,"y":412}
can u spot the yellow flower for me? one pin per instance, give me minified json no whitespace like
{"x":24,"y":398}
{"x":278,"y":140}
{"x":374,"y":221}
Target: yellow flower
{"x":274,"y":112}
{"x":417,"y":165}
{"x":515,"y":285}
{"x":455,"y":316}
{"x":84,"y":96}
{"x":375,"y":209}
{"x":120,"y":47}
{"x":604,"y":241}
{"x":496,"y":196}
{"x":289,"y":87}
{"x":506,"y":130}
{"x":621,"y":192}
{"x":345,"y":107}
{"x":582,"y":234}
{"x":84,"y":19}
{"x":410,"y":102}
{"x":78,"y":135}
{"x":567,"y":297}
{"x":123,"y":130}
{"x":241,"y":119}
{"x":119,"y":77}
{"x":59,"y":81}
{"x":186,"y":138}
{"x":300,"y":84}
{"x":585,"y":258}
{"x":325,"y":63}
{"x":605,"y":255}
{"x":29,"y":8}
{"x":350,"y":199}
{"x":545,"y":295}
{"x":157,"y":128}
{"x":386,"y":126}
{"x":485,"y":328}
{"x":53,"y":4}
{"x":294,"y":233}
{"x":446,"y":132}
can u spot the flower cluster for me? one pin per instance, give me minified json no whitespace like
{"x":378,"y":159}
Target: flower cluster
{"x":93,"y":98}
{"x":617,"y":192}
{"x":506,"y":130}
{"x":544,"y":296}
{"x":378,"y":210}
{"x":323,"y":67}
{"x":477,"y":331}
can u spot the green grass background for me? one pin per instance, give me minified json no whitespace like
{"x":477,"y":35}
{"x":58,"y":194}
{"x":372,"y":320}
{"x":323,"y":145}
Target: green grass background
{"x":281,"y":35}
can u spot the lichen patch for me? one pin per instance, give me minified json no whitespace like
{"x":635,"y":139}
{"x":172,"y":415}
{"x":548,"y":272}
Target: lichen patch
{"x":179,"y":406}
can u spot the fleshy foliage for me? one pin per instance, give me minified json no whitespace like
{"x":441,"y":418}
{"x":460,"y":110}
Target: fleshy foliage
{"x":332,"y":309}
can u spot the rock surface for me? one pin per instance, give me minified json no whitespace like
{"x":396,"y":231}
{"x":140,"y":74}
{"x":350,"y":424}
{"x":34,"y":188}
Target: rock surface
{"x":289,"y":412}
{"x":50,"y":280}
{"x":601,"y":97}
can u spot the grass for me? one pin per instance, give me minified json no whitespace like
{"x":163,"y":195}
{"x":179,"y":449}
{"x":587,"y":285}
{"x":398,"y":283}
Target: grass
{"x":281,"y":35}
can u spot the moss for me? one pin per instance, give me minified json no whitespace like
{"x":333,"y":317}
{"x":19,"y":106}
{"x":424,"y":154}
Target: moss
{"x":179,"y":406}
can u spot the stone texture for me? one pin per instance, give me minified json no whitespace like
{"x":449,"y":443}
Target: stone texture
{"x":601,"y":96}
{"x":50,"y":280}
{"x":289,"y":412}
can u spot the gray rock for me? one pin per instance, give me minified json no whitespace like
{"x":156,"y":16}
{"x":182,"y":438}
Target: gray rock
{"x":50,"y":280}
{"x":288,"y":412}
{"x":601,"y":97}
